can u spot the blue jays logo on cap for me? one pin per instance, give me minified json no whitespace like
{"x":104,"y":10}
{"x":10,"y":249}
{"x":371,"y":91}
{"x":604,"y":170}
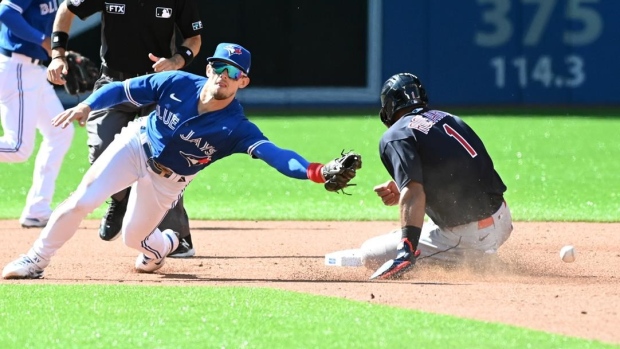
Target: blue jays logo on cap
{"x":233,"y":50}
{"x":233,"y":54}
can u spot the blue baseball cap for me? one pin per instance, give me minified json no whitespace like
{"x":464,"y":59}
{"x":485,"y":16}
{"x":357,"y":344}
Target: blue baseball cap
{"x":234,"y":54}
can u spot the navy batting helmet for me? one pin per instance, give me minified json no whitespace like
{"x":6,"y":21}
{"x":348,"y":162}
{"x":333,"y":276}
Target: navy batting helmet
{"x":400,"y":91}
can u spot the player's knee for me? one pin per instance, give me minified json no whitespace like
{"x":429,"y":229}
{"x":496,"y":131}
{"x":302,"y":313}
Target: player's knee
{"x":79,"y":204}
{"x":17,"y":154}
{"x":380,"y":249}
{"x":82,"y":202}
{"x":17,"y":157}
{"x":84,"y":206}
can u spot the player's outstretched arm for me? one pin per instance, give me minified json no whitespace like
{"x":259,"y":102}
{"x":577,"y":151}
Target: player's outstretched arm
{"x":335,"y":175}
{"x":78,"y":113}
{"x":108,"y":95}
{"x":287,"y":162}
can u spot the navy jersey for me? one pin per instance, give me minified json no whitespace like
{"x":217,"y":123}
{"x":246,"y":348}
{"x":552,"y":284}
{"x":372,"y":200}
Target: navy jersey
{"x":444,"y":154}
{"x":181,"y":138}
{"x":39,"y":15}
{"x":131,"y":29}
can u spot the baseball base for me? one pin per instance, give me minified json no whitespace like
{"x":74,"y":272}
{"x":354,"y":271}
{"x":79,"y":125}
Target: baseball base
{"x":344,"y":258}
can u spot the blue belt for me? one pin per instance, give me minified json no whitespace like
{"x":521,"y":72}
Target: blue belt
{"x":8,"y":53}
{"x":158,"y":168}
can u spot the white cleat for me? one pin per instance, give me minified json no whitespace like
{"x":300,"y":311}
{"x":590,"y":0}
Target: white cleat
{"x":33,"y":222}
{"x":23,"y":268}
{"x":146,"y":264}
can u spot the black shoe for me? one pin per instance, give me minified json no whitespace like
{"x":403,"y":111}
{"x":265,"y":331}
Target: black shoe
{"x":185,"y":249}
{"x":112,"y":222}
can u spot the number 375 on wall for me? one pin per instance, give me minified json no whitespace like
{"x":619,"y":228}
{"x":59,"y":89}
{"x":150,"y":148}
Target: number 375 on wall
{"x":498,"y":30}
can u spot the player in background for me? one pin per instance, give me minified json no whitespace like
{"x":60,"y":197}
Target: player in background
{"x":441,"y":168}
{"x":137,"y":39}
{"x":197,"y":121}
{"x":28,"y":102}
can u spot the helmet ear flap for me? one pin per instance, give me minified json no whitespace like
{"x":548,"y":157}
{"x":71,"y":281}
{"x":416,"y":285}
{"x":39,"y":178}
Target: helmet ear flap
{"x":390,"y":103}
{"x":423,"y":95}
{"x":385,"y":118}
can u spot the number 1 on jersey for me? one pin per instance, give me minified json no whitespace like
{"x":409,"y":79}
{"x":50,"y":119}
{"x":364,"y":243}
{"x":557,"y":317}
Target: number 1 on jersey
{"x":452,"y":133}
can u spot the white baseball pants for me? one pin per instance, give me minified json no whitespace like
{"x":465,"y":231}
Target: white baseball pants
{"x":453,"y":245}
{"x":28,"y":102}
{"x":121,"y":165}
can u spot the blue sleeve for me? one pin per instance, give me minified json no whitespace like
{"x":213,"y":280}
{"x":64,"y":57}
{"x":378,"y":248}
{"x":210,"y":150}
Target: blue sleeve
{"x":287,"y":162}
{"x":138,"y":91}
{"x":146,"y":89}
{"x":12,"y":18}
{"x":106,"y":96}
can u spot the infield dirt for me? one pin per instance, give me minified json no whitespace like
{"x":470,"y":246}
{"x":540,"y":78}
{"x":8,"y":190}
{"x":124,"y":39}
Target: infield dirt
{"x":528,"y":286}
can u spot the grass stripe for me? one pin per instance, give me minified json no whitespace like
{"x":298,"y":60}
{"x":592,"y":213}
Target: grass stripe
{"x":100,"y":316}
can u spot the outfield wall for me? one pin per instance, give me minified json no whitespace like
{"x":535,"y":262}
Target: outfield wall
{"x":515,"y":52}
{"x":467,"y":52}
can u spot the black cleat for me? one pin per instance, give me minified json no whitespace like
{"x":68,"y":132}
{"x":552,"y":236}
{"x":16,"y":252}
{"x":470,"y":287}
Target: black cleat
{"x":185,"y":249}
{"x":112,"y":222}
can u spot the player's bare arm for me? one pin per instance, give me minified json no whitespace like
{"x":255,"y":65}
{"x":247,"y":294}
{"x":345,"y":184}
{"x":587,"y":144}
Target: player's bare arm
{"x":177,"y":61}
{"x":388,"y":192}
{"x":412,"y":205}
{"x":58,"y":66}
{"x":79,"y":113}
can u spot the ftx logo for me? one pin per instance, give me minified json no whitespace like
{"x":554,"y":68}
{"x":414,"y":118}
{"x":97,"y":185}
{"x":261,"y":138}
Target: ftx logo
{"x":117,"y":9}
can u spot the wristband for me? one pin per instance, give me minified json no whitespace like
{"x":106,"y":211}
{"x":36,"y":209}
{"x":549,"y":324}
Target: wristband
{"x":60,"y":40}
{"x":186,"y":53}
{"x":314,"y":172}
{"x":61,"y":57}
{"x":412,"y":234}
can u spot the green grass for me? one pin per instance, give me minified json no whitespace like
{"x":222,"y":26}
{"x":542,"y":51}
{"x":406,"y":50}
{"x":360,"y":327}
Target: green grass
{"x":100,"y":316}
{"x":556,"y":168}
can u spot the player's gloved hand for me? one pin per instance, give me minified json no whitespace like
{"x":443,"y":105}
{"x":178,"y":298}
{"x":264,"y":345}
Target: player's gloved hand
{"x":81,"y":74}
{"x":340,"y":171}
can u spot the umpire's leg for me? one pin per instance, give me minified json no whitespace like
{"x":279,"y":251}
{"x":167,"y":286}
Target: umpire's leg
{"x":102,"y":127}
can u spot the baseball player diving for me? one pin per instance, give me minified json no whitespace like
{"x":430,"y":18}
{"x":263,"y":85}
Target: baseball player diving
{"x":197,"y":121}
{"x":441,"y":168}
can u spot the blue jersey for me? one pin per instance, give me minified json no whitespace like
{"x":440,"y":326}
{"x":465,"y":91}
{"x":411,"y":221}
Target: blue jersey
{"x":181,"y":138}
{"x":25,"y":35}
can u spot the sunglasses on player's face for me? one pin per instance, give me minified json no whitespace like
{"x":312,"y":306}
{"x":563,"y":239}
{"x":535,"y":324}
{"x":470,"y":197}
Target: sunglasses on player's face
{"x":233,"y":72}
